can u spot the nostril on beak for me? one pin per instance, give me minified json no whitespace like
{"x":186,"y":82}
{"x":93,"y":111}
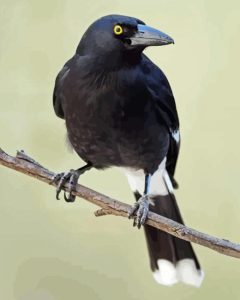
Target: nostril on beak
{"x":128,"y":41}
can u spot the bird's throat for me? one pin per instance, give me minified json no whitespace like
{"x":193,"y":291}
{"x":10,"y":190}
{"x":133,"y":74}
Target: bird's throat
{"x":116,"y":61}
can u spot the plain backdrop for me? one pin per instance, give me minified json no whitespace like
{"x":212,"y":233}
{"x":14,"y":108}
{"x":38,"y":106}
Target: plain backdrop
{"x":54,"y":250}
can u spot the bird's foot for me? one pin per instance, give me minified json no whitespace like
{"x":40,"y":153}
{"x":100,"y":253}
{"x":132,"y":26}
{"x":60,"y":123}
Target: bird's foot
{"x":141,"y":209}
{"x":61,"y":179}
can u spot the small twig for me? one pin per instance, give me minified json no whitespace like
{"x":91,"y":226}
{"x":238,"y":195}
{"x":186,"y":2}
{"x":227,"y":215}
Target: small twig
{"x":26,"y":165}
{"x":102,"y":212}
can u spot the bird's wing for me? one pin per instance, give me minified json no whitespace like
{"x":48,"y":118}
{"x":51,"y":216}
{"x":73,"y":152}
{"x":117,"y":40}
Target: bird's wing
{"x":162,"y":95}
{"x":57,"y":98}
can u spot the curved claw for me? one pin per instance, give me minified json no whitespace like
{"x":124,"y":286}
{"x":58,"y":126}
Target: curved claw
{"x":63,"y":179}
{"x":57,"y":194}
{"x":71,"y":177}
{"x":70,"y":197}
{"x":142,"y":209}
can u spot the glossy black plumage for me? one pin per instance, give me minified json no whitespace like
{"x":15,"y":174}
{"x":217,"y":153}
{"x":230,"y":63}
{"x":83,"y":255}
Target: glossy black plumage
{"x":120,"y":111}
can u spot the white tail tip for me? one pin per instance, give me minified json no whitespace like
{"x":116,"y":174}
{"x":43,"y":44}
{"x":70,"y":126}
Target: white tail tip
{"x":184,"y":271}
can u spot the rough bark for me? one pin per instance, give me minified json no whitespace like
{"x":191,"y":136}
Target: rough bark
{"x":28,"y":166}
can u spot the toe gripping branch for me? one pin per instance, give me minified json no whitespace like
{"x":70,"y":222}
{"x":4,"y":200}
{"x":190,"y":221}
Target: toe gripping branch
{"x":140,"y":209}
{"x":71,"y":177}
{"x":28,"y":166}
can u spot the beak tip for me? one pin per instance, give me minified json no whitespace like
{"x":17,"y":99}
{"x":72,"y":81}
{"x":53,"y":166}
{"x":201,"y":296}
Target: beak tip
{"x":168,"y":40}
{"x":148,"y":36}
{"x":171,"y":40}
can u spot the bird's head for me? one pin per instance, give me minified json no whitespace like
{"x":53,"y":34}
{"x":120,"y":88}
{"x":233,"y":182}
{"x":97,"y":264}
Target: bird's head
{"x":120,"y":34}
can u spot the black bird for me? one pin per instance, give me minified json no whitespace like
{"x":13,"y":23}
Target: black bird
{"x":120,"y":111}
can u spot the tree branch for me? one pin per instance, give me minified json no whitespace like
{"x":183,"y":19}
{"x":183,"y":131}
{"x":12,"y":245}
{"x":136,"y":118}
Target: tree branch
{"x":26,"y":165}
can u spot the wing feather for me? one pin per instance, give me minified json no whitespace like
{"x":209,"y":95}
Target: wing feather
{"x":161,"y":92}
{"x":57,"y":98}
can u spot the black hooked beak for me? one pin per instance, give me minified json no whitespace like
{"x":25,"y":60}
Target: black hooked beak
{"x":148,"y":36}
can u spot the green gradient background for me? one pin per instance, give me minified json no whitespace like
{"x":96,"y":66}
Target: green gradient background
{"x":54,"y":250}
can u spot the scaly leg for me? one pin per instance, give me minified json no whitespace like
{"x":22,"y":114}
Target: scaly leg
{"x":141,"y":207}
{"x":70,"y":177}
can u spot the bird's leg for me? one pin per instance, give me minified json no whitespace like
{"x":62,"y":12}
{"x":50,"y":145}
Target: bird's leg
{"x":72,"y":178}
{"x":141,"y":207}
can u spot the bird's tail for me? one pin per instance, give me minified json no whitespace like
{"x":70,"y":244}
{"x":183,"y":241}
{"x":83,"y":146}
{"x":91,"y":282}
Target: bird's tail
{"x":172,"y":260}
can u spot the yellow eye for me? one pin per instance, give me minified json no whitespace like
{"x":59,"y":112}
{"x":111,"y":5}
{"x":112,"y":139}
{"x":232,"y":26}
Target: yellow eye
{"x":118,"y":29}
